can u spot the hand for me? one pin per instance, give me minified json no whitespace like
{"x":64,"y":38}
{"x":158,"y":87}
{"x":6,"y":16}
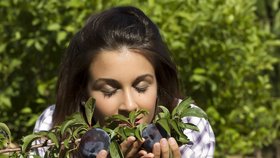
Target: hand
{"x":129,"y":148}
{"x":163,"y":149}
{"x":102,"y":154}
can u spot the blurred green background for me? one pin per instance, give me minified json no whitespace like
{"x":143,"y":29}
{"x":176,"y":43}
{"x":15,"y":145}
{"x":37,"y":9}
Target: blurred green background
{"x":227,"y":53}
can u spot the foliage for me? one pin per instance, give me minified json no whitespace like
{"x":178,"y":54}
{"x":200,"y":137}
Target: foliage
{"x":268,"y":13}
{"x":224,"y":53}
{"x":5,"y":135}
{"x":224,"y":58}
{"x":63,"y":140}
{"x":173,"y":121}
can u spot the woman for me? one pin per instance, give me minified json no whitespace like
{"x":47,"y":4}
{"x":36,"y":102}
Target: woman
{"x":120,"y":59}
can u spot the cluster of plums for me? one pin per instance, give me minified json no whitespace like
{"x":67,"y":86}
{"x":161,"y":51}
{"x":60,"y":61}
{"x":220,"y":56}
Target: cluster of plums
{"x":95,"y":139}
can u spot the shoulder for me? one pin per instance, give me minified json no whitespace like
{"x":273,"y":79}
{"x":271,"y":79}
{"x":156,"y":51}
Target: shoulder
{"x":44,"y":122}
{"x":202,"y":141}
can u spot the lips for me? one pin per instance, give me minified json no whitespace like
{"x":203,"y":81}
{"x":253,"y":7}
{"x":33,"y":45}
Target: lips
{"x":122,"y":124}
{"x":138,"y":120}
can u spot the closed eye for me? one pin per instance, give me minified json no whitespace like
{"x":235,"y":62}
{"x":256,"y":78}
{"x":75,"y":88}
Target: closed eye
{"x":107,"y":93}
{"x":142,"y":83}
{"x":141,"y":89}
{"x":107,"y":87}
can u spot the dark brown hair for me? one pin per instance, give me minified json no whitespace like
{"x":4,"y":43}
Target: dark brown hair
{"x":110,"y":30}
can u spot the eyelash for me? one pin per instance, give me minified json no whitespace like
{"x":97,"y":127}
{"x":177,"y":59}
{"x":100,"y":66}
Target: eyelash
{"x":109,"y":94}
{"x":141,"y":90}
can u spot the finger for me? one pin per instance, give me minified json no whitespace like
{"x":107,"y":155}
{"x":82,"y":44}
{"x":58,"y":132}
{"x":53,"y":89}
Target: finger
{"x":174,"y":148}
{"x":149,"y":155}
{"x":125,"y":145}
{"x":156,"y":150}
{"x":164,"y":147}
{"x":142,"y":153}
{"x":134,"y":149}
{"x":102,"y":154}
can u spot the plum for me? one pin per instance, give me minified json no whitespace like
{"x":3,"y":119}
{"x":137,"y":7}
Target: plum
{"x":152,"y":134}
{"x":93,"y":141}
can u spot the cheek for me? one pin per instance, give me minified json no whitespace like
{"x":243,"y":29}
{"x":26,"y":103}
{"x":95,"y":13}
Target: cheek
{"x":148,"y":101}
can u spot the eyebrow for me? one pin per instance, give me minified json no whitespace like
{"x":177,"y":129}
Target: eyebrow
{"x":116,"y":84}
{"x":109,"y":81}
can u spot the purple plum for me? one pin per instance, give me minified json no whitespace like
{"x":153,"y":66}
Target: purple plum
{"x":92,"y":142}
{"x":152,"y":134}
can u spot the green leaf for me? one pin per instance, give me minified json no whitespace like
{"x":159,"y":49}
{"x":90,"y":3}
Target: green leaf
{"x":185,"y":104}
{"x":2,"y":47}
{"x":27,"y":140}
{"x":38,"y":46}
{"x":53,"y":138}
{"x":128,"y":131}
{"x":97,"y":125}
{"x":53,"y":27}
{"x":141,"y":111}
{"x":118,"y":117}
{"x":183,"y":139}
{"x":42,"y":133}
{"x":79,"y":118}
{"x":89,"y":108}
{"x":3,"y":141}
{"x":132,"y":117}
{"x":66,"y":142}
{"x":165,"y":125}
{"x":66,"y":125}
{"x":115,"y":150}
{"x":165,"y":112}
{"x":120,"y":131}
{"x":199,"y":71}
{"x":69,"y":152}
{"x":194,"y":111}
{"x":112,"y":133}
{"x":61,"y":36}
{"x":134,"y":114}
{"x":79,"y":130}
{"x":178,"y":134}
{"x":191,"y":126}
{"x":139,"y":130}
{"x":6,"y":129}
{"x":174,"y":125}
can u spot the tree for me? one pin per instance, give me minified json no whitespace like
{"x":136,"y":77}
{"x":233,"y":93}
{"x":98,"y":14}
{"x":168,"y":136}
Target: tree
{"x":224,"y":54}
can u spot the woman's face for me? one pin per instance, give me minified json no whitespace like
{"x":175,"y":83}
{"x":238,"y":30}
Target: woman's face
{"x":123,"y":81}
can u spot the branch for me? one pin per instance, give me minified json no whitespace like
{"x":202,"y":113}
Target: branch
{"x":8,"y":150}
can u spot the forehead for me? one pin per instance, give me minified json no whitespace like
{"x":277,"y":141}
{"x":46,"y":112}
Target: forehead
{"x":122,"y":64}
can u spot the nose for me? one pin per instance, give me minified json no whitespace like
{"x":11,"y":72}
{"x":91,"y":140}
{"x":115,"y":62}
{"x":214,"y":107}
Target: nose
{"x":128,"y":103}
